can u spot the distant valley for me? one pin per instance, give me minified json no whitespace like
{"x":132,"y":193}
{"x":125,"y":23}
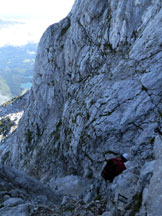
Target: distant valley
{"x":16,"y":69}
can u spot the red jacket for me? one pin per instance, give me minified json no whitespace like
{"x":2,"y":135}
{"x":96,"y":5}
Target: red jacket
{"x":113,"y":168}
{"x":119,"y":166}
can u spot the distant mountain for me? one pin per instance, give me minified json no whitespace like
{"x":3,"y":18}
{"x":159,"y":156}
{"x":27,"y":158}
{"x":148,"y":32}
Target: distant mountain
{"x":16,"y":69}
{"x":6,"y":23}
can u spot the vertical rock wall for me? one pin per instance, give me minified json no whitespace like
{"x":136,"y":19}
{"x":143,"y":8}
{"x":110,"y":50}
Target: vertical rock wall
{"x":97,"y":87}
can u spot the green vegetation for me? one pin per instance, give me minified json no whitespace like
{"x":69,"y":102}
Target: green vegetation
{"x":135,"y":205}
{"x":16,"y":68}
{"x":1,"y":205}
{"x":99,"y":197}
{"x":14,"y":99}
{"x":5,"y":126}
{"x":5,"y":157}
{"x":4,"y":88}
{"x":29,"y":136}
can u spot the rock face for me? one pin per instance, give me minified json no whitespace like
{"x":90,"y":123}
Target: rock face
{"x":10,"y":114}
{"x":97,"y":92}
{"x":22,"y":195}
{"x":152,"y":193}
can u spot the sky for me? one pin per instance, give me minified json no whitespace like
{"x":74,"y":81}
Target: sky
{"x":36,"y":16}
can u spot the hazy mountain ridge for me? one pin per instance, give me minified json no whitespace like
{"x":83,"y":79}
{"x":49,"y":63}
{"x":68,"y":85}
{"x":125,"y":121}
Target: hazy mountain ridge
{"x":7,"y":23}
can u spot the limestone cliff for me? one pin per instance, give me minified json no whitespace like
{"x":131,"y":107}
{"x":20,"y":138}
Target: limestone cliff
{"x":97,"y":92}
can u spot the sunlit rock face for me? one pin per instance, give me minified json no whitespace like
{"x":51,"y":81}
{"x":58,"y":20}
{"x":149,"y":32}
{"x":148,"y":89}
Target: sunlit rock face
{"x":97,"y":92}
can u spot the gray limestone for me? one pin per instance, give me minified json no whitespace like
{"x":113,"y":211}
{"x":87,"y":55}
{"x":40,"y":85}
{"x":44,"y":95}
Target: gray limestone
{"x":13,"y":202}
{"x":20,"y":210}
{"x":20,"y":194}
{"x":152,"y":193}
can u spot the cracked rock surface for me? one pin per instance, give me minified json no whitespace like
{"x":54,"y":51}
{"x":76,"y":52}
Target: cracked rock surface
{"x":97,"y":93}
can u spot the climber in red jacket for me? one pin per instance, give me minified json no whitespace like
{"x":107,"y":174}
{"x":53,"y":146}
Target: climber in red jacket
{"x":114,"y":167}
